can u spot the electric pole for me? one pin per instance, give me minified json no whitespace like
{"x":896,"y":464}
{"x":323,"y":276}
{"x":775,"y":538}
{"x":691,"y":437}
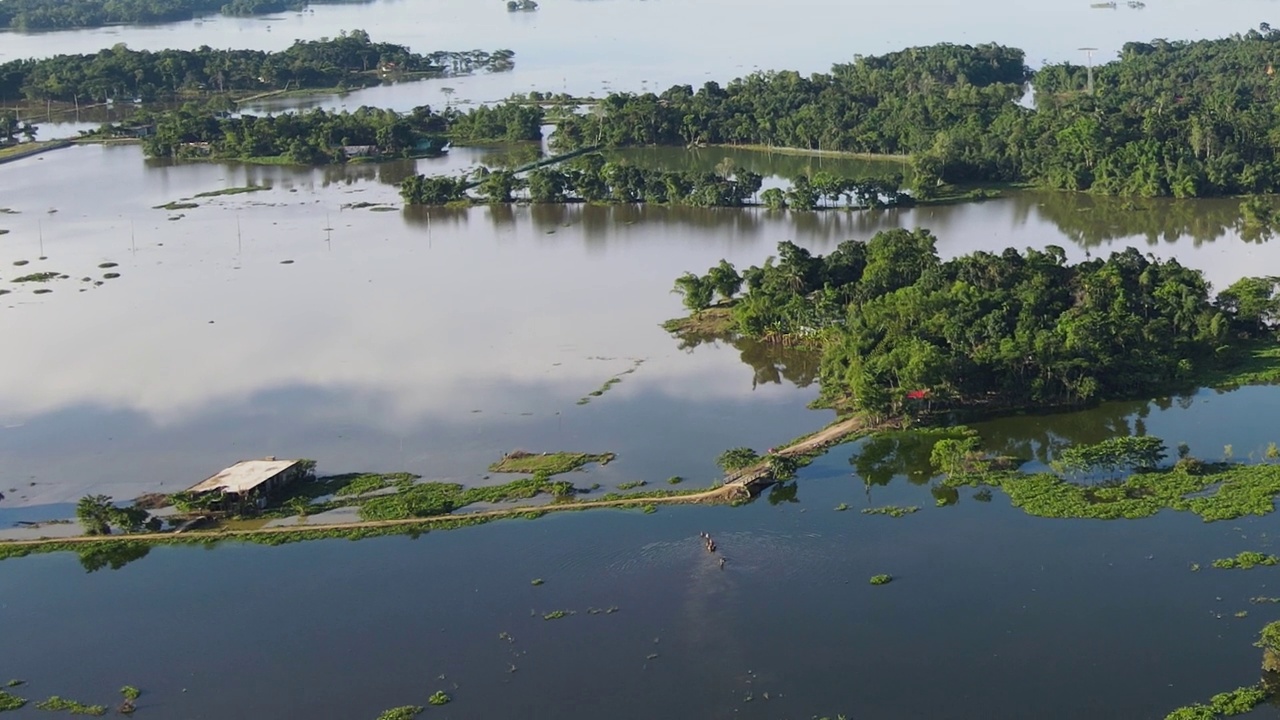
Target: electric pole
{"x":1088,"y":51}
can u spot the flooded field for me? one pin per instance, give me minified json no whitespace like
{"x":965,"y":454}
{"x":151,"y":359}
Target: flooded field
{"x":314,"y":316}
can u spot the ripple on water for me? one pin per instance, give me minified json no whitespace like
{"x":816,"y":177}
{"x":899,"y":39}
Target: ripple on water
{"x":779,"y":554}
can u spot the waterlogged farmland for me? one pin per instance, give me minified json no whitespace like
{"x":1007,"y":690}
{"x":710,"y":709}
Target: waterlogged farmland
{"x":166,"y":318}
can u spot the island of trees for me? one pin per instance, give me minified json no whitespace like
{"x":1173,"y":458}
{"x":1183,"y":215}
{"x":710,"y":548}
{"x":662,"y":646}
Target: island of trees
{"x":592,"y":178}
{"x":61,"y":14}
{"x":350,"y":60}
{"x":902,"y":331}
{"x":320,"y":137}
{"x":1181,"y":119}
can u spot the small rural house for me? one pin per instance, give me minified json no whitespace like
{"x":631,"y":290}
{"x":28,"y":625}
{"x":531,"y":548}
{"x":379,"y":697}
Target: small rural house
{"x":252,"y":483}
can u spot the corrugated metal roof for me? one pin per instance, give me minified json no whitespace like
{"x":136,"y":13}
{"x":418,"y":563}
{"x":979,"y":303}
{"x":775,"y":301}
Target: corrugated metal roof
{"x":244,"y":476}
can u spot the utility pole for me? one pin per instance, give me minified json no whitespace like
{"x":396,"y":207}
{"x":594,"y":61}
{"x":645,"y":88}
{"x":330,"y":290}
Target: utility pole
{"x":1088,"y":51}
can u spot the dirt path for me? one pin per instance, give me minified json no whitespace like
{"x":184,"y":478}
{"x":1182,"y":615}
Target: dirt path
{"x":734,"y":485}
{"x":830,"y":435}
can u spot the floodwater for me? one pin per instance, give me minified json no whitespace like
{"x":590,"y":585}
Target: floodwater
{"x":589,"y":47}
{"x":290,"y":322}
{"x":282,"y":323}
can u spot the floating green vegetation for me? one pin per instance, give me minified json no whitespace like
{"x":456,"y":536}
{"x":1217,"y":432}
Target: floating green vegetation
{"x":131,"y":694}
{"x":610,"y":383}
{"x":404,"y":712}
{"x":177,"y":205}
{"x":881,"y":579}
{"x":9,"y":701}
{"x":649,"y":509}
{"x":1262,"y":599}
{"x":107,"y":265}
{"x":439,"y":697}
{"x":1245,"y":560}
{"x":894,"y":511}
{"x":536,"y":581}
{"x":42,"y":291}
{"x":1240,"y":490}
{"x":675,"y":480}
{"x":556,"y":614}
{"x":15,"y":683}
{"x":56,"y":703}
{"x":547,"y":463}
{"x":1235,"y":702}
{"x":110,"y":275}
{"x":232,"y":191}
{"x":20,"y":263}
{"x":632,"y":485}
{"x":37,"y":277}
{"x":842,"y":507}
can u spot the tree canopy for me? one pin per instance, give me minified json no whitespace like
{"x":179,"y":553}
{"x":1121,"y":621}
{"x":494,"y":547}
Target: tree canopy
{"x":1182,"y":119}
{"x":351,"y":59}
{"x":901,"y":328}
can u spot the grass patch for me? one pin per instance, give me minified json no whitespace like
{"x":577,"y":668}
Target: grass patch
{"x":632,"y":485}
{"x":404,"y":712}
{"x":547,"y":463}
{"x":536,"y":581}
{"x":894,"y":511}
{"x":675,"y":480}
{"x":43,"y":291}
{"x":107,"y":265}
{"x":842,"y":507}
{"x":15,"y":683}
{"x":1255,"y":364}
{"x":110,"y":275}
{"x":1245,"y":560}
{"x":435,"y":498}
{"x":713,"y":321}
{"x":177,"y":205}
{"x":20,"y":263}
{"x":881,"y":579}
{"x":366,"y":483}
{"x":233,"y":190}
{"x":57,"y":704}
{"x":439,"y":697}
{"x":557,"y":614}
{"x":39,"y":277}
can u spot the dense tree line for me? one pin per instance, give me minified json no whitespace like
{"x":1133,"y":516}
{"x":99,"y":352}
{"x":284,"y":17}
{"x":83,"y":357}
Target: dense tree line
{"x":319,"y":137}
{"x":592,"y":178}
{"x":896,"y":103}
{"x":312,"y":137}
{"x":351,"y":59}
{"x":1181,"y":119}
{"x":58,"y":14}
{"x":898,"y":325}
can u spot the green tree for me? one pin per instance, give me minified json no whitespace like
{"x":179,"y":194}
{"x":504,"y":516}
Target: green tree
{"x":724,"y":278}
{"x":697,"y":291}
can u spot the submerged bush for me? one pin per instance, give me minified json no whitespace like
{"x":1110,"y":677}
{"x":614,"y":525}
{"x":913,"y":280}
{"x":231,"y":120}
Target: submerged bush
{"x":1245,"y":560}
{"x":404,"y":712}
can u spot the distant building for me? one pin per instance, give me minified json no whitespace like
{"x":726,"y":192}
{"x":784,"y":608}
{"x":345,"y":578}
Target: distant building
{"x":252,"y":483}
{"x":137,"y":131}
